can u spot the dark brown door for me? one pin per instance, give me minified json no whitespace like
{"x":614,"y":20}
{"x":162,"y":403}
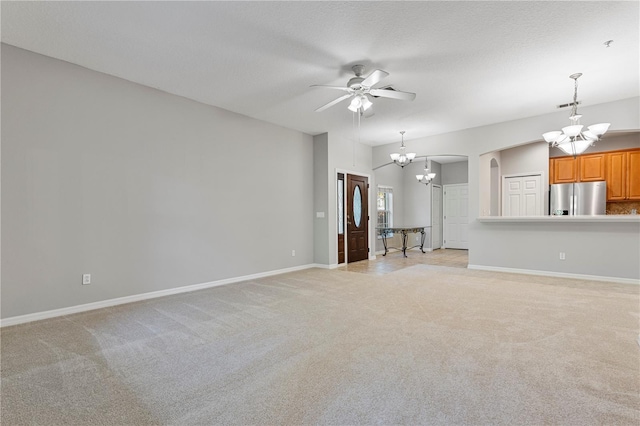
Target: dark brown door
{"x":357,"y":218}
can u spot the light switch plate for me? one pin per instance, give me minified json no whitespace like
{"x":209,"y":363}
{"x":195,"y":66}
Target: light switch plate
{"x":320,"y":214}
{"x":86,"y":279}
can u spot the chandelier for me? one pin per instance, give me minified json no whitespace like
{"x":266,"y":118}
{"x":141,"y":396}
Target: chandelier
{"x":402,"y":158}
{"x":572,"y":140}
{"x":428,"y":176}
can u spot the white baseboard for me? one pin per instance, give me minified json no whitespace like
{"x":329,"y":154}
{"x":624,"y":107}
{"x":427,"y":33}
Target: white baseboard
{"x":21,"y":319}
{"x":555,"y":274}
{"x":323,"y":266}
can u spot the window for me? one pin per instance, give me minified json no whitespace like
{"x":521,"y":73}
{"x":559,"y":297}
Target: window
{"x":340,"y":204}
{"x":385,"y":206}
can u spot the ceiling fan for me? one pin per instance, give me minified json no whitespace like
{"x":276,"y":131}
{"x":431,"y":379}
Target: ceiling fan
{"x":360,"y":88}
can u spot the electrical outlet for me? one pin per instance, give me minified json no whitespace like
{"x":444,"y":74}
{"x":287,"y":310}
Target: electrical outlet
{"x":86,"y":279}
{"x":562,"y":256}
{"x":293,"y":253}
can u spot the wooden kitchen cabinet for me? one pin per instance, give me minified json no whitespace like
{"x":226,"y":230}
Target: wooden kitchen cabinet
{"x":633,"y":175}
{"x":623,"y":175}
{"x":616,"y":176}
{"x":591,"y":167}
{"x":564,"y":170}
{"x":585,"y":168}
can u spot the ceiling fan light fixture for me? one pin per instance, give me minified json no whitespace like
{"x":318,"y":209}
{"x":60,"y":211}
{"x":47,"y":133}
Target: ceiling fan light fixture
{"x":366,"y":103}
{"x":355,"y":104}
{"x":572,"y":140}
{"x":359,"y":88}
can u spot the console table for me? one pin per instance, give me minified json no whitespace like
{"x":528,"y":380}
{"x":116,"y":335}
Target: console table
{"x":404,"y":231}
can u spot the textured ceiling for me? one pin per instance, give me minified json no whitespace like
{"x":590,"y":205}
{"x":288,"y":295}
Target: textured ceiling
{"x":470,"y":63}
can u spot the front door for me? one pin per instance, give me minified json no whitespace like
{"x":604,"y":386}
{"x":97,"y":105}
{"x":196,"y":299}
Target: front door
{"x":357,"y":218}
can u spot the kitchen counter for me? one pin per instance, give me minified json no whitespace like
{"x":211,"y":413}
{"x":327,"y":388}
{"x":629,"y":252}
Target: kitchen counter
{"x":611,"y":218}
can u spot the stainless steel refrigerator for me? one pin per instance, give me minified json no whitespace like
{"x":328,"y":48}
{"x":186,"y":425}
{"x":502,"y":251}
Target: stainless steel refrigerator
{"x":584,"y":198}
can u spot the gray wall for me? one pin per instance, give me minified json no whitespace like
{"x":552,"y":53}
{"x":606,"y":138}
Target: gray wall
{"x":417,"y":197}
{"x":144,"y":190}
{"x":455,"y":173}
{"x":599,"y":249}
{"x":529,"y":158}
{"x":321,"y":198}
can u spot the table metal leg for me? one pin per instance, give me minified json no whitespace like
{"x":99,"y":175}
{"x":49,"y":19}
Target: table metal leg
{"x":384,"y":242}
{"x":405,"y":236}
{"x":422,"y":241}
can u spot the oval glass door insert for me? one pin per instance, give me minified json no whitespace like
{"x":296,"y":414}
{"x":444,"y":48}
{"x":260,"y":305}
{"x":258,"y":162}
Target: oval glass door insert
{"x":357,"y":206}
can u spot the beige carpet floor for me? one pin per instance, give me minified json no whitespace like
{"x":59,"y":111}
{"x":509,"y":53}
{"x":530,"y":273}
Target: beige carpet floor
{"x":422,"y":345}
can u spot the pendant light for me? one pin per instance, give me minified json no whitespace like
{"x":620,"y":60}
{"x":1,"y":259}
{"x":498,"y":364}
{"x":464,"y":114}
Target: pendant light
{"x":402,"y":158}
{"x":428,"y":176}
{"x":572,"y":139}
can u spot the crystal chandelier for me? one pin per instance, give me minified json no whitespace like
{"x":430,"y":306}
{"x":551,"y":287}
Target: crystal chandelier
{"x":402,"y":158}
{"x":428,"y":176}
{"x":572,"y":140}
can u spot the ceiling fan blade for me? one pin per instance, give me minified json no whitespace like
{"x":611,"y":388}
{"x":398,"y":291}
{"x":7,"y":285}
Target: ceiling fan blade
{"x":333,"y":102}
{"x":344,"y":89}
{"x":393,"y":94}
{"x":373,"y":78}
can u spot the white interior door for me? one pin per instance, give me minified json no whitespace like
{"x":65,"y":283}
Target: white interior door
{"x":522,"y":196}
{"x":436,"y":217}
{"x":456,"y":216}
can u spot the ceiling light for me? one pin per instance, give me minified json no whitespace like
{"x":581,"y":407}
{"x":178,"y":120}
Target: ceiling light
{"x":366,"y":103}
{"x":572,"y":140}
{"x":360,"y":103}
{"x":355,"y":104}
{"x":428,"y":176}
{"x":402,"y":158}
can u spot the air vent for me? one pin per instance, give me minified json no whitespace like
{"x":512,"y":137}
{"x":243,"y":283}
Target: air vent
{"x":570,"y":104}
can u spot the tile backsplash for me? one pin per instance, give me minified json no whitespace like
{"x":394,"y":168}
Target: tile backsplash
{"x":624,"y":207}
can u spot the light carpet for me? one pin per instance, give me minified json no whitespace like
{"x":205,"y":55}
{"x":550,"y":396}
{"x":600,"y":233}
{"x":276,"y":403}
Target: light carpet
{"x":423,"y":345}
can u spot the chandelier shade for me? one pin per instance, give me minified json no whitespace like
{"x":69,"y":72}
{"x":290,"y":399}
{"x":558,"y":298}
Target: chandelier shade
{"x":402,"y":158}
{"x":571,"y":139}
{"x":428,"y":175}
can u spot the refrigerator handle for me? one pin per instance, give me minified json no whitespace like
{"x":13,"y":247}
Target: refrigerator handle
{"x":572,"y":207}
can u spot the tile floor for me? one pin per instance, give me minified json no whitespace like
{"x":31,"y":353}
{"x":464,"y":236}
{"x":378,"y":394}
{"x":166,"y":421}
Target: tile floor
{"x":394,"y":261}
